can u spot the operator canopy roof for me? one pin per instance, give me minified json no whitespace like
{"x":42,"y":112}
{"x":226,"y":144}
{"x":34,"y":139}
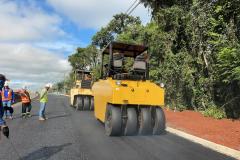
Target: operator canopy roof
{"x":128,"y":50}
{"x":82,"y":71}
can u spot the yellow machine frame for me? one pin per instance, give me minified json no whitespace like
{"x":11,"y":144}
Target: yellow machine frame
{"x":119,"y":103}
{"x":79,"y":91}
{"x":141,"y":93}
{"x":81,"y":98}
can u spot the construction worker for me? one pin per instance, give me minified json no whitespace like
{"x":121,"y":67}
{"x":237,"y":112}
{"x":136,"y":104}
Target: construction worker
{"x":3,"y":127}
{"x":89,"y":77}
{"x":26,"y":102}
{"x":43,"y":102}
{"x":7,"y":100}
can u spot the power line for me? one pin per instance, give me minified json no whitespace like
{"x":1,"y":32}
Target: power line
{"x":128,"y":12}
{"x":131,"y":6}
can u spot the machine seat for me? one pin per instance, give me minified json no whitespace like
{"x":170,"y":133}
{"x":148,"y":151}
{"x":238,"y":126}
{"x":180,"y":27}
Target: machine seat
{"x":86,"y":84}
{"x":117,"y":63}
{"x":139,"y":67}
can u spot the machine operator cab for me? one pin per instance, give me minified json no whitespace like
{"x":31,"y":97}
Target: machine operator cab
{"x":83,"y":79}
{"x":125,"y":100}
{"x":120,"y":55}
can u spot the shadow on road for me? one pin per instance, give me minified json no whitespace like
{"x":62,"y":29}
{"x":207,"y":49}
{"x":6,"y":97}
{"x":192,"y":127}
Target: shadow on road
{"x":19,"y":116}
{"x":45,"y":152}
{"x":59,"y":116}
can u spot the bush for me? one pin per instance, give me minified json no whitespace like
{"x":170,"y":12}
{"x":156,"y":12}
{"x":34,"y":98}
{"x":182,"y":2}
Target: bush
{"x":215,"y":112}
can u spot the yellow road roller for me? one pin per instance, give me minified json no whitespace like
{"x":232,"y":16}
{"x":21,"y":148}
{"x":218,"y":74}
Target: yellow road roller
{"x":125,"y":100}
{"x":81,"y":93}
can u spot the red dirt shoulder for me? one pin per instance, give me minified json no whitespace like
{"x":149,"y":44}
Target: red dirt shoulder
{"x":225,"y":131}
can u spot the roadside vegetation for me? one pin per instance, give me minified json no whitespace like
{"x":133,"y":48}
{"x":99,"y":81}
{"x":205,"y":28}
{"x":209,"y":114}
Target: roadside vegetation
{"x":195,"y":51}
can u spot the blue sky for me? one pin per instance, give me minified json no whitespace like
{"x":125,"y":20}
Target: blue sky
{"x":37,"y":36}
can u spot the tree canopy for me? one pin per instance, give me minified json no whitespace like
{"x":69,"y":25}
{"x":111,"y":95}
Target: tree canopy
{"x":194,"y":47}
{"x":117,"y":25}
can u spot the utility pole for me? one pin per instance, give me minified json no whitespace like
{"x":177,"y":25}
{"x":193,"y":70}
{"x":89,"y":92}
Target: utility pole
{"x":64,"y":83}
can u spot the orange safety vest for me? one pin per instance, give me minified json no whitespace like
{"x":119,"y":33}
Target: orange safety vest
{"x":24,"y":97}
{"x":0,"y":96}
{"x":9,"y":97}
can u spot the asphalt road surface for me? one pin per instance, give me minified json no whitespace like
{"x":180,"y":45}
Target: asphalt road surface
{"x":75,"y":135}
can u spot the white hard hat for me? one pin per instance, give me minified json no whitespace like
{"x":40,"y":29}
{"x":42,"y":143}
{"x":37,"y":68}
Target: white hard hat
{"x":6,"y":84}
{"x":48,"y":85}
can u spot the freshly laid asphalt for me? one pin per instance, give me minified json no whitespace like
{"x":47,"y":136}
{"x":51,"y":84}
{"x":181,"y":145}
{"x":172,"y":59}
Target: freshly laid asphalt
{"x":77,"y":135}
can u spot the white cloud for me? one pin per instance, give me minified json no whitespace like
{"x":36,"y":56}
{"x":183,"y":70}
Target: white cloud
{"x":30,"y":53}
{"x":96,"y":13}
{"x":24,"y":64}
{"x":32,"y":41}
{"x":60,"y":47}
{"x":19,"y":22}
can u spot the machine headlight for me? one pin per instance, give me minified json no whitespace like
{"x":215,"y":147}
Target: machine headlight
{"x":118,"y":83}
{"x":162,"y":85}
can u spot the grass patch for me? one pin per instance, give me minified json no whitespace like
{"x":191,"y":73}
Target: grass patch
{"x":215,"y":112}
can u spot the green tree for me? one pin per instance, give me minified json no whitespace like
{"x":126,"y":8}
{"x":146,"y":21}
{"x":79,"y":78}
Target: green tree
{"x":116,"y":26}
{"x":194,"y":49}
{"x":199,"y":39}
{"x":84,"y":58}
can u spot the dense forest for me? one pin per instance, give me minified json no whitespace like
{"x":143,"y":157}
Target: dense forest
{"x":194,"y":47}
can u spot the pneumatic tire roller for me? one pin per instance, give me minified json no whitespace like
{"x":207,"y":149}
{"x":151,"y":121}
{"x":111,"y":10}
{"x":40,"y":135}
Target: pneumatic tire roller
{"x":127,"y":102}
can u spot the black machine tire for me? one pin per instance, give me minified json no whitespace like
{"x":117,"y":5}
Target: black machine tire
{"x":86,"y":103}
{"x":113,"y":121}
{"x":145,"y":121}
{"x":131,"y":127}
{"x":79,"y":104}
{"x":91,"y":103}
{"x":74,"y":102}
{"x":159,"y":121}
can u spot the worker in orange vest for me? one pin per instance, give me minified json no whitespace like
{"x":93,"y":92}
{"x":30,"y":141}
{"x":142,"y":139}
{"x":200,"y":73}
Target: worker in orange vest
{"x":26,"y":102}
{"x":7,"y":100}
{"x":3,"y":127}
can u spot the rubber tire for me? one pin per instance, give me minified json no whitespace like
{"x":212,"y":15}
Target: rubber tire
{"x":131,"y":127}
{"x":79,"y":105}
{"x":91,"y":103}
{"x":113,"y":124}
{"x":159,"y":121}
{"x":86,"y":103}
{"x":74,"y":102}
{"x":145,"y":122}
